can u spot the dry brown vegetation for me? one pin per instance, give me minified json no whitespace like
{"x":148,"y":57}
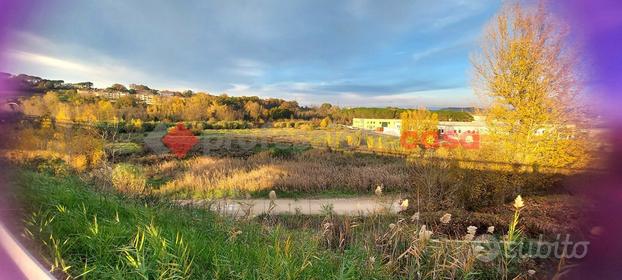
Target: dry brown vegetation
{"x":311,"y":171}
{"x":430,"y":184}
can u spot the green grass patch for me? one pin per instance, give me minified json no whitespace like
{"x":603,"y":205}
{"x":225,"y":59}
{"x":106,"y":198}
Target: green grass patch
{"x":124,"y":148}
{"x":102,"y":236}
{"x":157,"y":182}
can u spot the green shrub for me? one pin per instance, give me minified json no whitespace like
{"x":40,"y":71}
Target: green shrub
{"x":285,"y":151}
{"x":148,"y":126}
{"x":196,"y":127}
{"x":229,"y":125}
{"x":52,"y":166}
{"x":124,"y":148}
{"x":128,"y":178}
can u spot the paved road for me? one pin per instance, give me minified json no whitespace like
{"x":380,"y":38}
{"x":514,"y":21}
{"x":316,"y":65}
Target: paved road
{"x":341,"y":206}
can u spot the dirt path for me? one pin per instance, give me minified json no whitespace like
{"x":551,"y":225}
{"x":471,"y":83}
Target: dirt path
{"x":341,"y":206}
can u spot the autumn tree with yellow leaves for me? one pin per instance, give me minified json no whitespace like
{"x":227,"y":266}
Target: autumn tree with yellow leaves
{"x":418,"y":127}
{"x":420,"y":121}
{"x":526,"y":72}
{"x":325,"y":122}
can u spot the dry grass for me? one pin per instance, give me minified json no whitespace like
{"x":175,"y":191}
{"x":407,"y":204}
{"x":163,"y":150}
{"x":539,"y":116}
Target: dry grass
{"x":431,"y":185}
{"x":312,"y":171}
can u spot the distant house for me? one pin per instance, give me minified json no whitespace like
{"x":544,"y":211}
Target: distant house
{"x":109,"y":94}
{"x":389,"y":126}
{"x":477,"y":125}
{"x":83,"y":85}
{"x":166,"y":93}
{"x":117,"y":94}
{"x":146,"y":97}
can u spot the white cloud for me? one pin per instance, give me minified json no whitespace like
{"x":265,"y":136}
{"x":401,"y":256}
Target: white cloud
{"x":464,"y":41}
{"x":457,"y":12}
{"x":426,"y":53}
{"x":430,"y":98}
{"x":49,"y":61}
{"x":248,"y":67}
{"x":73,"y":70}
{"x":37,"y":55}
{"x":312,"y":94}
{"x":238,"y":88}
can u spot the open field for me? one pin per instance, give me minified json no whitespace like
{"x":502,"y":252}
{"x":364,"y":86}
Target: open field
{"x":102,"y":210}
{"x":128,"y":238}
{"x":334,"y":138}
{"x":287,"y":171}
{"x":244,"y":142}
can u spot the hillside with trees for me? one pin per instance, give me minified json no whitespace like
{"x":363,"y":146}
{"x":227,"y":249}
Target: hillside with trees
{"x":81,"y":102}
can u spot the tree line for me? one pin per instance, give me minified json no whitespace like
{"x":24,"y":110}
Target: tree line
{"x":81,"y":106}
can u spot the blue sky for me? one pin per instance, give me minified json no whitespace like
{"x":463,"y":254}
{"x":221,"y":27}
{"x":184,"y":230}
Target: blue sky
{"x":351,"y":53}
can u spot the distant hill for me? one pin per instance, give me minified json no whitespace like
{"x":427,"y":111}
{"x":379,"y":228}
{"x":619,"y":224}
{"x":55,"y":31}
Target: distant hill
{"x":25,"y":84}
{"x":251,"y":107}
{"x":461,"y":109}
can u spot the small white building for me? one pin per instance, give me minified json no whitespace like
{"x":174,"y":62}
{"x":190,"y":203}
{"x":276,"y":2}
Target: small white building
{"x":477,"y":125}
{"x":147,"y":98}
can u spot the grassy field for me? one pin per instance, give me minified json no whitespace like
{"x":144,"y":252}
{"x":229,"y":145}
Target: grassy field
{"x":113,"y":217}
{"x":334,"y":138}
{"x":289,"y":172}
{"x":84,"y":233}
{"x":99,"y":235}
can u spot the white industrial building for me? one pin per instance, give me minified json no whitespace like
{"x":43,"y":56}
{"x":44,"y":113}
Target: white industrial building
{"x":393,"y":126}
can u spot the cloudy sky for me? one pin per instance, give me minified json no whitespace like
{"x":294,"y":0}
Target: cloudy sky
{"x":351,"y":53}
